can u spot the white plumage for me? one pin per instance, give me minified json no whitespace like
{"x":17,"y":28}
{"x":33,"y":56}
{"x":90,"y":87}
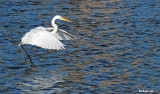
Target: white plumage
{"x":47,"y":38}
{"x":42,"y":38}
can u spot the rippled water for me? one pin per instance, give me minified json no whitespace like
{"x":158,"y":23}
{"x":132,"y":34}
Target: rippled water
{"x":118,"y":50}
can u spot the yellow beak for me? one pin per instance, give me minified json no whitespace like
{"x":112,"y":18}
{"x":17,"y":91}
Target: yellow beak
{"x":65,"y":20}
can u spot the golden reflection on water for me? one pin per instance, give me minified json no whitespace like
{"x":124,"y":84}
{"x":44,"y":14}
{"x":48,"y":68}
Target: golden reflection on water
{"x":87,"y":7}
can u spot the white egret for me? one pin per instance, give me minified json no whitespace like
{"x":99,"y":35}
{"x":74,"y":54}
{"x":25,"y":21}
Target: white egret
{"x":47,"y":38}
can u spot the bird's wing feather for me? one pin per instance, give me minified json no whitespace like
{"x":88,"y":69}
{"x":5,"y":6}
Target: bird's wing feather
{"x":42,"y":38}
{"x":62,"y":34}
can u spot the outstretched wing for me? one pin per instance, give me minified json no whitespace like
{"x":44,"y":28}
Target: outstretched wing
{"x":42,"y":38}
{"x":61,"y":34}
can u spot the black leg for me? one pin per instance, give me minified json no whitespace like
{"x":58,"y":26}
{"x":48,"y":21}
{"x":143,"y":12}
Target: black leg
{"x":28,"y":56}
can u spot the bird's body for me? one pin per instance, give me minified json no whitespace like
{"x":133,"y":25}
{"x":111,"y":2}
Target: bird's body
{"x":48,"y":38}
{"x":43,"y":37}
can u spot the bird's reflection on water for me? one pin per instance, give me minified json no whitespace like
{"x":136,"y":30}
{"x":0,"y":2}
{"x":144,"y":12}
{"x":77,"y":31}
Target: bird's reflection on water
{"x":34,"y":81}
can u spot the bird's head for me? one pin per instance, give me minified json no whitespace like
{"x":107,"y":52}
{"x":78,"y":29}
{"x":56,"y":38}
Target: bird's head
{"x":61,"y":18}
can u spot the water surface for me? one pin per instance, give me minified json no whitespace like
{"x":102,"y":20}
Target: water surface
{"x":117,"y":50}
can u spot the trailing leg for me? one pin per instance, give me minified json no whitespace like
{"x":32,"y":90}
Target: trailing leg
{"x":28,"y":56}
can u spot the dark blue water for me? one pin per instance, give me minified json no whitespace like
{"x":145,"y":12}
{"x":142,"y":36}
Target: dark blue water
{"x":118,"y":50}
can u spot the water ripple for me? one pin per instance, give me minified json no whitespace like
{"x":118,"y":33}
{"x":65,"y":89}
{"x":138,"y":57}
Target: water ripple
{"x":117,"y":50}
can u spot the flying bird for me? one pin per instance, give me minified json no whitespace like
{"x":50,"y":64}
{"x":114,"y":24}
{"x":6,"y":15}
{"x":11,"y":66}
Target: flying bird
{"x":47,"y":37}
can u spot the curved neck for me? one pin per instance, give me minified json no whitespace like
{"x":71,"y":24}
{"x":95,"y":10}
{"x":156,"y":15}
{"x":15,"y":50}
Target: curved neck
{"x":54,"y":25}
